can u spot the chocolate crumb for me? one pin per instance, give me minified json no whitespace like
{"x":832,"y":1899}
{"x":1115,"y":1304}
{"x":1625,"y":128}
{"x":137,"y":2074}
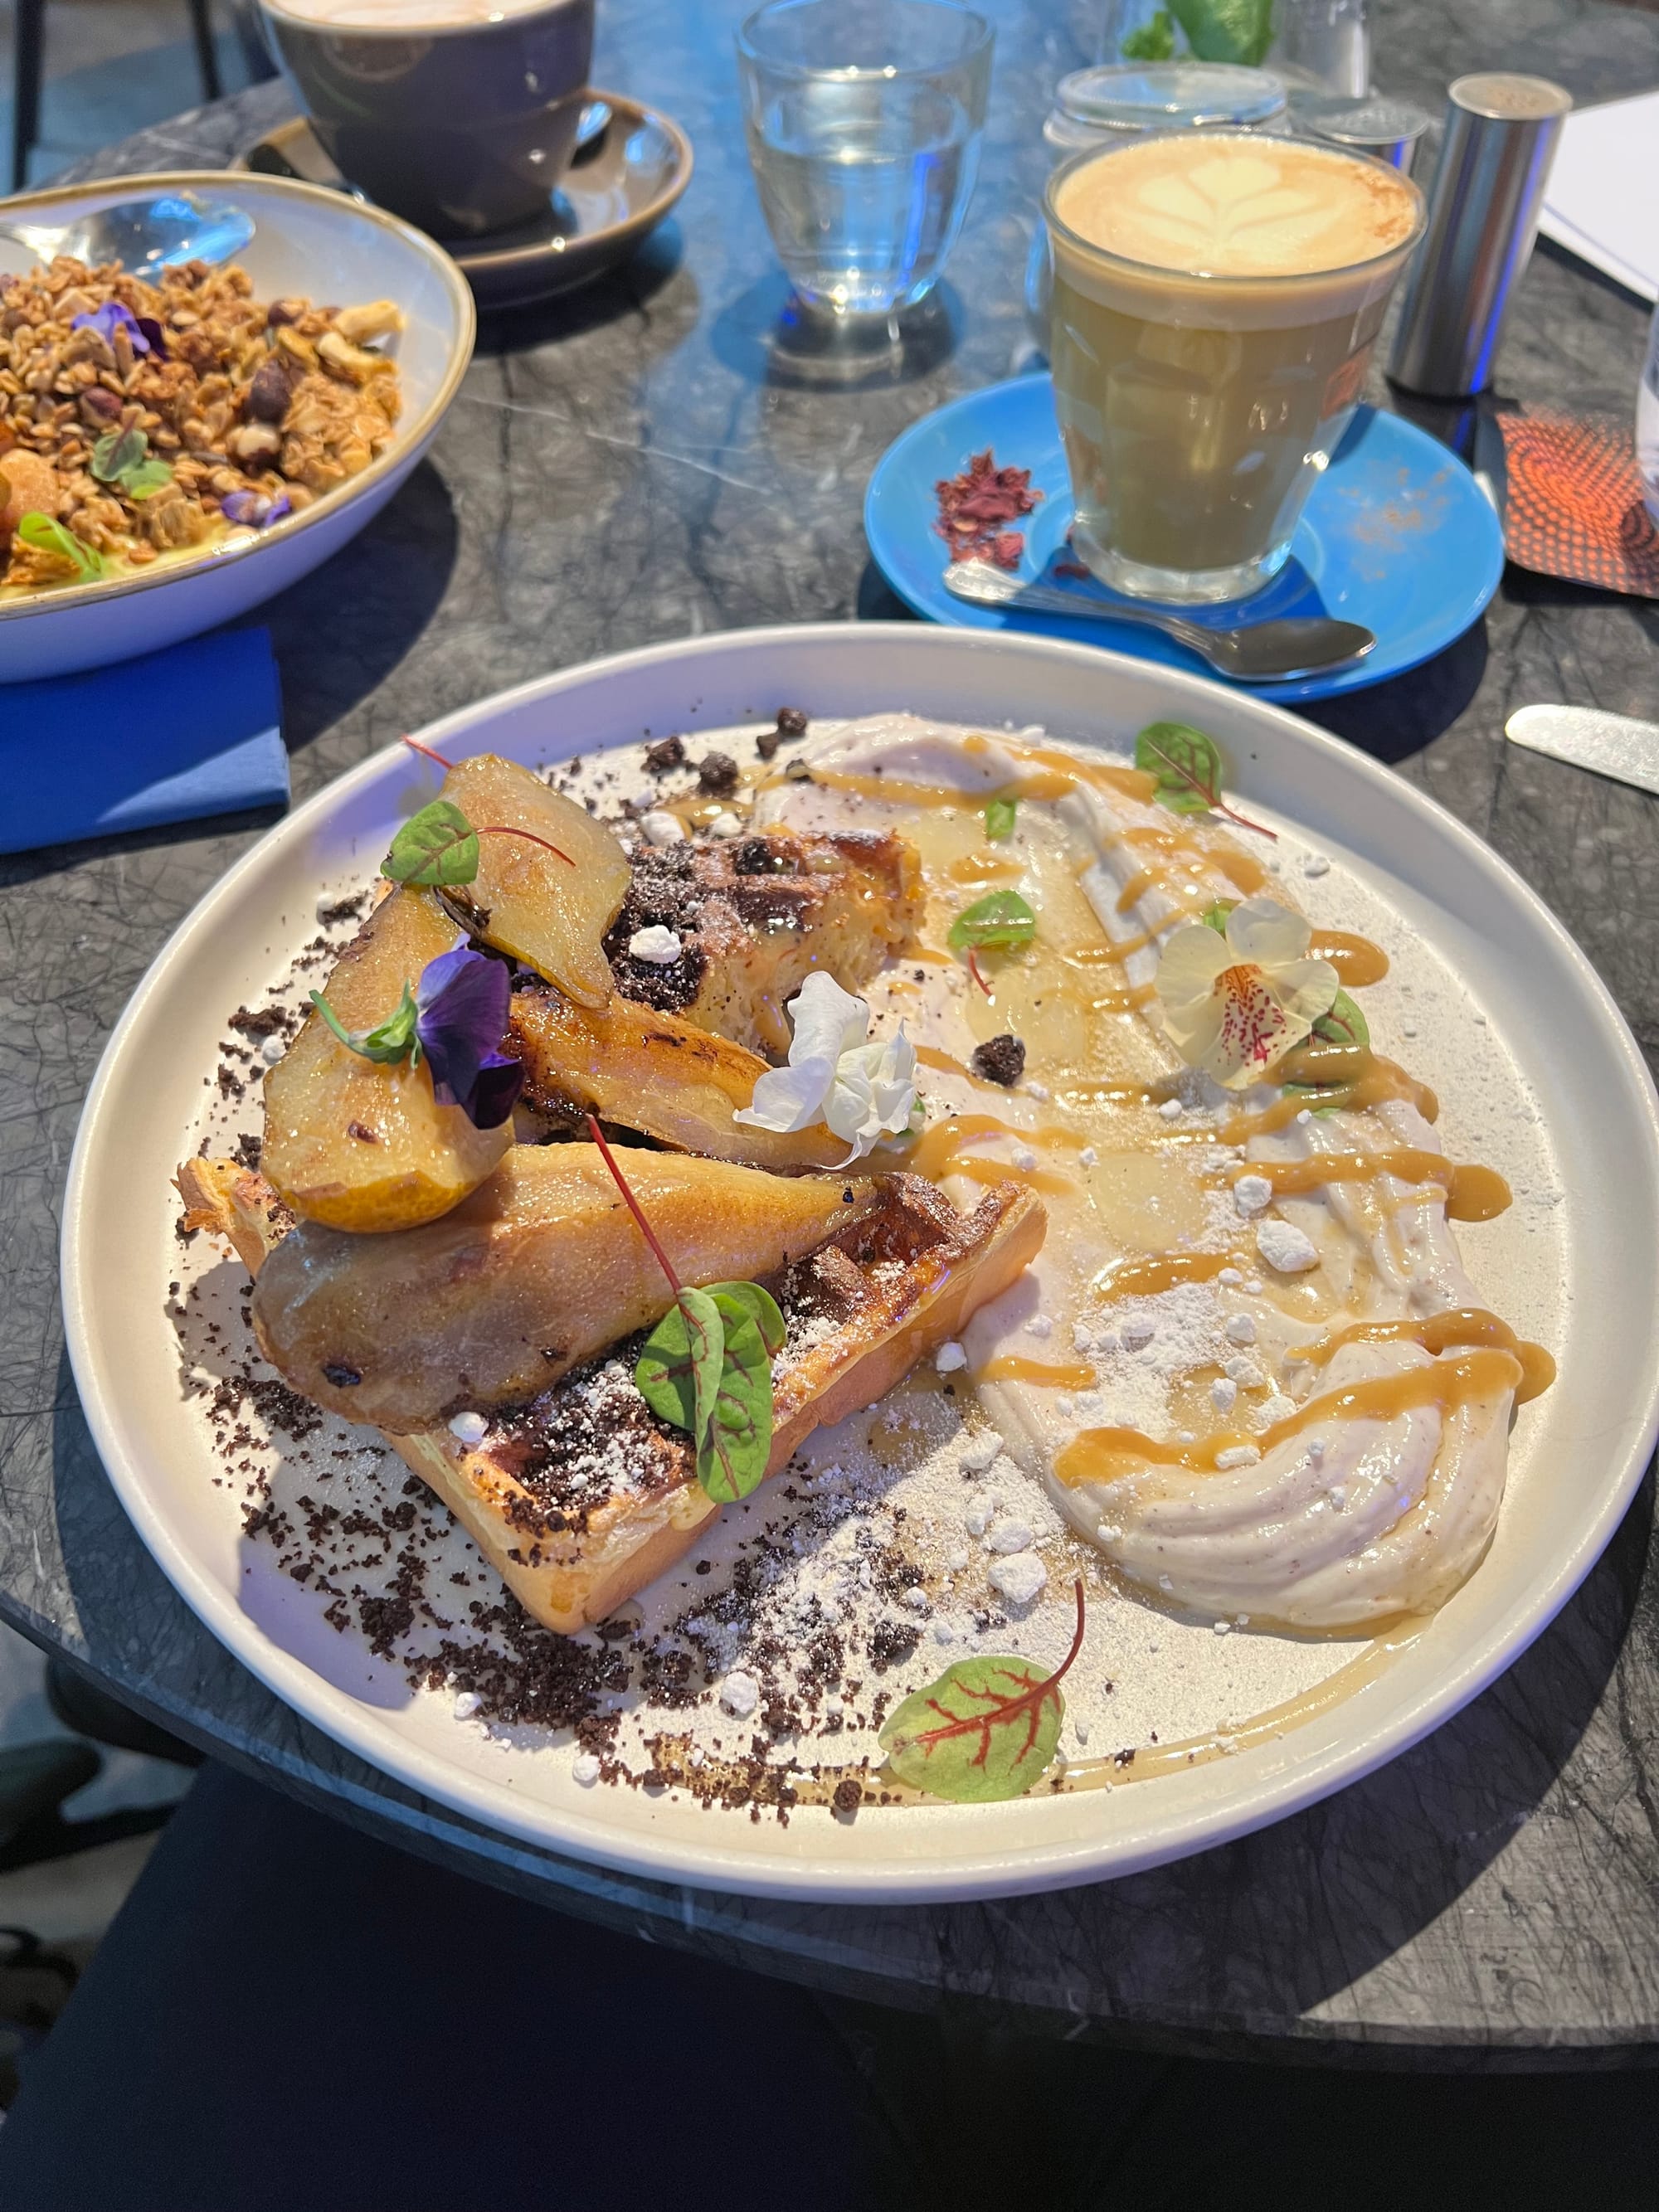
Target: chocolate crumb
{"x":768,"y":743}
{"x":666,"y":753}
{"x":364,"y":1136}
{"x":717,"y":774}
{"x":848,"y":1794}
{"x":342,"y":1376}
{"x":999,"y":1059}
{"x":791,"y":722}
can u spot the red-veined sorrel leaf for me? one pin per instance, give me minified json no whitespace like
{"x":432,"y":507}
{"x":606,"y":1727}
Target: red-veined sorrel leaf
{"x":1189,"y":770}
{"x":986,"y":1730}
{"x":679,"y":1372}
{"x":438,"y":845}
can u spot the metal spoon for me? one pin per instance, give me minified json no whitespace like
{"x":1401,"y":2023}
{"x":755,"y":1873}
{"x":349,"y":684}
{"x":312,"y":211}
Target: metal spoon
{"x":142,"y":234}
{"x":1252,"y":652}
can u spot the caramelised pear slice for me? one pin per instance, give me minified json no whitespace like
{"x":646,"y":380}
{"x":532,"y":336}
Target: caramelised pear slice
{"x":361,"y":1143}
{"x":656,"y":1073}
{"x":552,"y":914}
{"x":541,"y":1267}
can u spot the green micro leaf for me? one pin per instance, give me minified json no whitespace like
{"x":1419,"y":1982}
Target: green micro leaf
{"x":147,"y":479}
{"x":986,"y":1730}
{"x":117,"y":452}
{"x":47,"y":535}
{"x":1153,"y":42}
{"x":739,"y":1302}
{"x":1001,"y":920}
{"x":438,"y":845}
{"x":1344,"y":1025}
{"x":1227,"y":30}
{"x":732,"y":1456}
{"x":999,"y":818}
{"x":679,"y":1372}
{"x":1186,"y":763}
{"x":394,"y":1039}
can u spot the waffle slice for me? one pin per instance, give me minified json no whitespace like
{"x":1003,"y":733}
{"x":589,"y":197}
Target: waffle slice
{"x":580,"y":1496}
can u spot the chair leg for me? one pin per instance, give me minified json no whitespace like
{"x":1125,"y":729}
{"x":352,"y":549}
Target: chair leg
{"x":207,"y":60}
{"x":27,"y":71}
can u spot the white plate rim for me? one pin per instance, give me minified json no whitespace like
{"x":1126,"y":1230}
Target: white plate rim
{"x":804,"y":1877}
{"x":413,"y":437}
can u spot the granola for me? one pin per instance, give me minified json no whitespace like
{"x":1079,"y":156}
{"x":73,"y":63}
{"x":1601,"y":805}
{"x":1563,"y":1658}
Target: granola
{"x":140,"y":419}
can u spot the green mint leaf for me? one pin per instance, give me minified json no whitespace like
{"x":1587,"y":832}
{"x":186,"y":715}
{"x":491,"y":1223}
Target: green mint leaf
{"x":1153,"y":42}
{"x":48,"y":536}
{"x":438,"y":845}
{"x":1344,"y":1025}
{"x":1186,"y":763}
{"x":741,"y":1301}
{"x":731,"y":1457}
{"x":1001,"y":918}
{"x":999,"y":818}
{"x":1227,"y":30}
{"x":394,"y":1039}
{"x":986,"y":1730}
{"x":679,"y":1372}
{"x":146,"y":479}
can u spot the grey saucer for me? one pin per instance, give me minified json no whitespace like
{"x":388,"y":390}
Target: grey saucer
{"x":610,"y":199}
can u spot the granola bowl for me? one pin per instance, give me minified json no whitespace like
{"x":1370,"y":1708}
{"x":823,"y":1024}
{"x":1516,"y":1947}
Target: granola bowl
{"x":308,"y":245}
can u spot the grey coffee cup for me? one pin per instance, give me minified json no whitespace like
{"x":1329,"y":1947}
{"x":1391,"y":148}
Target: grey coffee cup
{"x":464,"y":127}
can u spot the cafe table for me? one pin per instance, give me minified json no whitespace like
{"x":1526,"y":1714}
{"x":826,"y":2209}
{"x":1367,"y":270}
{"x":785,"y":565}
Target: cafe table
{"x":637,"y":462}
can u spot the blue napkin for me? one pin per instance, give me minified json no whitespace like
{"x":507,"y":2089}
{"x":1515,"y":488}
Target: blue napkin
{"x":191,"y":730}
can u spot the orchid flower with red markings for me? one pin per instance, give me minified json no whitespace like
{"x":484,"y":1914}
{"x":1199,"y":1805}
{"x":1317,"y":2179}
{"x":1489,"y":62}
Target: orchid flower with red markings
{"x":1236,"y":1002}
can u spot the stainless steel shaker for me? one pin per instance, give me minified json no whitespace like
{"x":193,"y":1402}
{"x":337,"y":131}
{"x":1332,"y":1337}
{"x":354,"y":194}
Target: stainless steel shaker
{"x":1501,"y":136}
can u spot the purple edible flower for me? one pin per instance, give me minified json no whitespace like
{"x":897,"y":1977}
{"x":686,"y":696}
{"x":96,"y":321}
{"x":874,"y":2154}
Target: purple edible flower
{"x":254,"y":508}
{"x":143,"y":332}
{"x":464,"y":998}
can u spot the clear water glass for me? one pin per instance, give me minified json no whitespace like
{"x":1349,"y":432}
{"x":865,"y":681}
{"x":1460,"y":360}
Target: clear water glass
{"x":864,"y":120}
{"x":1647,"y":423}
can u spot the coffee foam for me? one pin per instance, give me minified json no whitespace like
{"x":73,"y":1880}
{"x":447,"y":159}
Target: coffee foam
{"x":1343,"y":225}
{"x":1214,"y":204}
{"x":416,"y":16}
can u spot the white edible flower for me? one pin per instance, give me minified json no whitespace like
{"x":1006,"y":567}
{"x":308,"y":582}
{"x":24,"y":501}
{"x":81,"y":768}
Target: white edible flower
{"x":858,"y":1087}
{"x":1235,"y":1005}
{"x":660,"y":946}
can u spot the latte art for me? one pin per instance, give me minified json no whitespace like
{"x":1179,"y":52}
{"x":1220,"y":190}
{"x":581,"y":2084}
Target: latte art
{"x":1245,"y":207}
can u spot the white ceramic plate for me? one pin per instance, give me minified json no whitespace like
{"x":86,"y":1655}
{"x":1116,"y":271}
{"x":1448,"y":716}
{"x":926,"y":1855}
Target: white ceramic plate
{"x":306,"y":241}
{"x":1579,"y":1452}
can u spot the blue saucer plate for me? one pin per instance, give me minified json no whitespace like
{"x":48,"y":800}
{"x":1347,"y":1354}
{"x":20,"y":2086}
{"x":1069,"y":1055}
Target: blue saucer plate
{"x":1396,"y":535}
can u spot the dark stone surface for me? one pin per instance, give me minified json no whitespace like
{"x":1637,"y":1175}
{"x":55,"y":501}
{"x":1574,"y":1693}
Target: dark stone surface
{"x":629,"y":464}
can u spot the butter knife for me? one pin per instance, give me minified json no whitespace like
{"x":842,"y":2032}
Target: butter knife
{"x":1607,"y":744}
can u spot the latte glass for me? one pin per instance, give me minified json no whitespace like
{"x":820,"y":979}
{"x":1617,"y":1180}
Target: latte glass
{"x":1216,"y":298}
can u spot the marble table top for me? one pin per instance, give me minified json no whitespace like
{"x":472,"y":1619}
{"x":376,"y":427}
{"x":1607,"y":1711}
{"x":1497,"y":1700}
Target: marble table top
{"x":628,"y":464}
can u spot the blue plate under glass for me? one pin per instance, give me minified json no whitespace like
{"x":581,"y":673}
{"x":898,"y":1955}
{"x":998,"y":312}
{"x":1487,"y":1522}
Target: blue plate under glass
{"x":1396,"y":535}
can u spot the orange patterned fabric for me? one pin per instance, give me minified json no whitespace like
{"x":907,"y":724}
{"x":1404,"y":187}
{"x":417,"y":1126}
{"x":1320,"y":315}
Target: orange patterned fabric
{"x":1574,"y":503}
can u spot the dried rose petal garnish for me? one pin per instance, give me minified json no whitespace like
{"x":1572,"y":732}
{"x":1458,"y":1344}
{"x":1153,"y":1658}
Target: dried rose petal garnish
{"x":976,"y":508}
